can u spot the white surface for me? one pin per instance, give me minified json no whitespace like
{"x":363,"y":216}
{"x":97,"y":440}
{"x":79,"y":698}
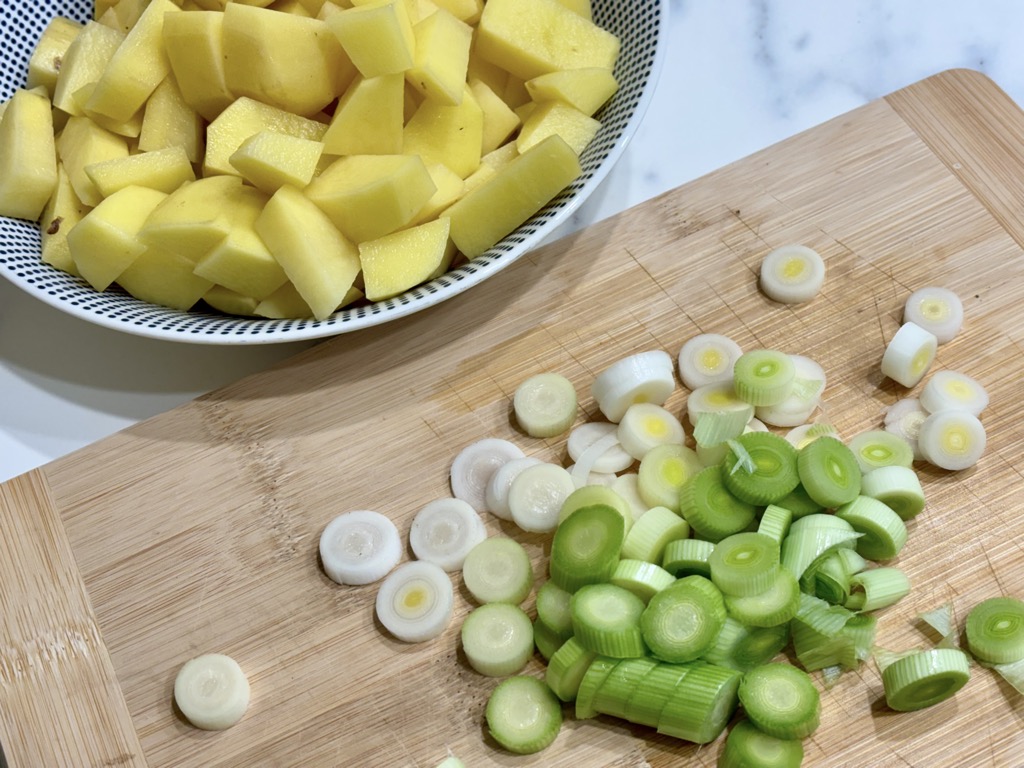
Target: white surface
{"x":738,"y":77}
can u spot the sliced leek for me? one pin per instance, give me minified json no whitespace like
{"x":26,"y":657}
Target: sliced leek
{"x":589,"y":495}
{"x":760,"y":468}
{"x":805,"y":433}
{"x":781,"y":700}
{"x":741,"y":647}
{"x":792,"y":274}
{"x":545,"y":405}
{"x":644,"y":426}
{"x":650,"y":534}
{"x":359,"y":547}
{"x":585,"y":547}
{"x":710,"y":509}
{"x":663,"y":471}
{"x":952,"y":440}
{"x":444,"y":531}
{"x":685,"y":557}
{"x":496,"y":493}
{"x":415,"y":601}
{"x":715,"y":398}
{"x":829,"y":472}
{"x":497,"y":639}
{"x":536,"y":496}
{"x":642,"y":578}
{"x":553,"y":609}
{"x":646,"y":377}
{"x":953,"y":391}
{"x":606,"y":620}
{"x":938,"y":310}
{"x":772,"y":607}
{"x":498,"y":570}
{"x":909,"y":354}
{"x":899,"y":488}
{"x":883,"y":531}
{"x":925,"y":678}
{"x":566,"y":668}
{"x":763,"y":377}
{"x":212,"y":691}
{"x":683,"y":620}
{"x":747,"y":745}
{"x":627,"y":486}
{"x":877,"y":588}
{"x":702,"y":704}
{"x":474,"y":465}
{"x":903,"y":419}
{"x":744,"y":564}
{"x":995,"y":630}
{"x":707,"y":358}
{"x":877,"y":448}
{"x":804,"y":396}
{"x":583,"y":436}
{"x":523,"y":715}
{"x":617,"y":690}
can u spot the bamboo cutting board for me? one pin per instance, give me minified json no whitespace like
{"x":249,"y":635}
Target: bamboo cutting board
{"x":196,"y":531}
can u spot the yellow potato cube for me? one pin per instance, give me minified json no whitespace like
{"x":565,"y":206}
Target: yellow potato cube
{"x":130,"y":128}
{"x":369,"y":118}
{"x":464,"y":10}
{"x":163,"y":169}
{"x":83,"y":143}
{"x":136,"y":68}
{"x":62,"y":212}
{"x":499,"y":120}
{"x":449,"y":135}
{"x":500,"y":157}
{"x":586,"y":89}
{"x":551,"y":117}
{"x":45,"y":62}
{"x":397,"y":262}
{"x":102,"y":6}
{"x":377,"y":36}
{"x":531,"y":37}
{"x":241,"y":261}
{"x":368,"y":196}
{"x":230,"y":302}
{"x":441,"y":58}
{"x":477,"y":177}
{"x":125,"y":14}
{"x":287,"y":61}
{"x":510,"y":197}
{"x":84,"y":63}
{"x":192,"y":220}
{"x":195,"y":50}
{"x":481,"y":69}
{"x":28,"y":160}
{"x":104,"y":242}
{"x":247,"y":117}
{"x":450,"y":187}
{"x":269,"y":160}
{"x":319,"y":261}
{"x":580,"y":7}
{"x":286,"y":302}
{"x":169,"y":121}
{"x":165,"y":278}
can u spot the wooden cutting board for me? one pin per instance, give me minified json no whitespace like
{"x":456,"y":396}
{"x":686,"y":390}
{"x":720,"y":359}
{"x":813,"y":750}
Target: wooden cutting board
{"x":197,"y":530}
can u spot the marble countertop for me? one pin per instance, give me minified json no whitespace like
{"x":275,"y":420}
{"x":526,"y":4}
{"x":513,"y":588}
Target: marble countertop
{"x":738,"y":77}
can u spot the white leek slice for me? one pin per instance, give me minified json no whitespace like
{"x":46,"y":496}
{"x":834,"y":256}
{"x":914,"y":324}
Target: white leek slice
{"x":953,"y":391}
{"x":496,"y":495}
{"x":415,"y":601}
{"x":545,"y":405}
{"x":212,"y":691}
{"x":475,"y":464}
{"x":756,"y":425}
{"x":628,"y":487}
{"x":360,"y":547}
{"x":904,"y":418}
{"x":715,"y":398}
{"x":935,"y":309}
{"x":584,"y":466}
{"x":803,"y":398}
{"x":646,"y":425}
{"x":646,"y":377}
{"x":613,"y":459}
{"x":952,"y":439}
{"x":444,"y":531}
{"x":537,"y":495}
{"x":707,"y":358}
{"x":594,"y":478}
{"x":909,"y":354}
{"x":792,"y":274}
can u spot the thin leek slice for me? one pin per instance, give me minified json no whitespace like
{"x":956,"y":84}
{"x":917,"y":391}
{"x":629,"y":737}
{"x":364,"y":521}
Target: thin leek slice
{"x":652,"y":692}
{"x":444,"y":531}
{"x":805,"y":433}
{"x":663,"y":471}
{"x":716,"y":398}
{"x":772,"y":607}
{"x":792,"y":274}
{"x":496,"y":493}
{"x":995,"y":630}
{"x":707,"y":358}
{"x":909,"y":354}
{"x":953,"y":391}
{"x":742,"y":647}
{"x":682,"y":621}
{"x":593,"y":678}
{"x":715,"y":427}
{"x":747,"y":745}
{"x":566,"y":668}
{"x":925,"y":678}
{"x":552,"y":607}
{"x":583,"y":469}
{"x":877,"y":588}
{"x":1013,"y":673}
{"x":903,"y":419}
{"x":876,"y":448}
{"x":359,"y":547}
{"x":821,"y":616}
{"x":845,"y":649}
{"x":545,"y":405}
{"x":804,"y":396}
{"x":641,"y":578}
{"x":612,"y":459}
{"x":766,"y":474}
{"x":938,"y":310}
{"x":763,"y":377}
{"x":710,"y":509}
{"x":799,"y":503}
{"x":646,"y":377}
{"x":781,"y":700}
{"x":899,"y":488}
{"x":546,"y":640}
{"x":415,"y":601}
{"x":646,"y":425}
{"x":952,"y":440}
{"x":618,"y":688}
{"x":536,"y":496}
{"x":647,"y":539}
{"x":585,"y":547}
{"x":212,"y":691}
{"x":474,"y":465}
{"x":627,"y":486}
{"x":702,"y":704}
{"x":884,"y":533}
{"x":775,"y":522}
{"x":811,"y":537}
{"x":686,"y":557}
{"x":745,"y":564}
{"x":498,"y":570}
{"x":606,"y":620}
{"x":523,"y":715}
{"x":589,"y":495}
{"x":829,"y":472}
{"x":497,"y":639}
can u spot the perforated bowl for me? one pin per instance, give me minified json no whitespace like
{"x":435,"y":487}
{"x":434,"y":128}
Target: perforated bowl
{"x":639,"y":25}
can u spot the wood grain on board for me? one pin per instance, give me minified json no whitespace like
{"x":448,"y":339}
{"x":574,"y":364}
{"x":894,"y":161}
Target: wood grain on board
{"x":196,"y":530}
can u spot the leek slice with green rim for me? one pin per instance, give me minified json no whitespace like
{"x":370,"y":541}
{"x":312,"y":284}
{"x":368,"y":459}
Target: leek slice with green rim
{"x":743,"y":647}
{"x":799,"y":503}
{"x":545,"y":405}
{"x":776,"y":605}
{"x":744,"y":564}
{"x":523,"y":715}
{"x":846,"y":649}
{"x":707,"y":358}
{"x":585,"y":547}
{"x":775,"y":522}
{"x":663,"y":471}
{"x":498,"y":570}
{"x":595,"y":675}
{"x":710,"y":509}
{"x":877,"y":448}
{"x":781,"y":700}
{"x":747,"y":745}
{"x":925,"y":678}
{"x":589,"y":495}
{"x":650,"y":694}
{"x":995,"y":630}
{"x":683,"y":620}
{"x":645,"y":426}
{"x":641,"y":578}
{"x":715,"y":398}
{"x":898,"y":487}
{"x":606,"y":620}
{"x":546,"y":640}
{"x":763,"y":376}
{"x":716,"y":427}
{"x":878,"y":588}
{"x":612,"y":697}
{"x":566,"y":668}
{"x":813,"y":536}
{"x":650,"y":534}
{"x":687,"y":557}
{"x":884,"y":532}
{"x":829,"y":472}
{"x":497,"y":639}
{"x":766,"y":474}
{"x":552,"y":607}
{"x":702,"y":703}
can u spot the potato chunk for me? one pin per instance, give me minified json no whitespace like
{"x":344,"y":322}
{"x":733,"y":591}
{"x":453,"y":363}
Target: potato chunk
{"x":48,"y":55}
{"x":441,"y":58}
{"x":369,"y":118}
{"x":28,"y":160}
{"x":450,"y":135}
{"x":83,"y":63}
{"x":377,"y":36}
{"x":163,"y":169}
{"x":196,"y":52}
{"x":397,"y":262}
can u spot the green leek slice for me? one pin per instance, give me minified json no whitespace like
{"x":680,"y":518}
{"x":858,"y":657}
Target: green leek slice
{"x":710,"y":509}
{"x":606,"y":620}
{"x":650,"y":534}
{"x":925,"y":678}
{"x":585,"y":547}
{"x":650,"y":694}
{"x":747,"y":745}
{"x":687,"y":557}
{"x":776,"y":605}
{"x":497,"y":639}
{"x":773,"y":473}
{"x":884,"y":532}
{"x":781,"y":700}
{"x":523,"y":715}
{"x":829,"y":472}
{"x":613,"y":696}
{"x":595,"y":675}
{"x":995,"y":630}
{"x":763,"y":376}
{"x":742,"y":647}
{"x":682,"y":621}
{"x":702,"y":703}
{"x":744,"y":564}
{"x":566,"y":668}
